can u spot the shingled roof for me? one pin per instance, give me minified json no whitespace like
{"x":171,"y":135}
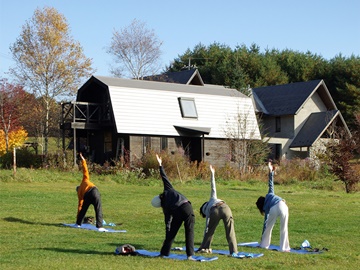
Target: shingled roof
{"x":287,"y":99}
{"x":191,"y":76}
{"x":314,"y":128}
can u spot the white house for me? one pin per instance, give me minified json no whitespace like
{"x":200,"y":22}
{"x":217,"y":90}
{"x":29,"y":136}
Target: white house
{"x":115,"y":117}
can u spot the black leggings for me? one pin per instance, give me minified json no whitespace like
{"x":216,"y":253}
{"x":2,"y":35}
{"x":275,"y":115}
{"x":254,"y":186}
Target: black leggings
{"x":91,"y":197}
{"x":184,"y":213}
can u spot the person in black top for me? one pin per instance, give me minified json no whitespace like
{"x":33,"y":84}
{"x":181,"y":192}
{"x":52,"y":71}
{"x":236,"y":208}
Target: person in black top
{"x":177,"y":210}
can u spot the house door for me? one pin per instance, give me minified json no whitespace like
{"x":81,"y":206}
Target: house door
{"x":192,"y":147}
{"x":275,"y":151}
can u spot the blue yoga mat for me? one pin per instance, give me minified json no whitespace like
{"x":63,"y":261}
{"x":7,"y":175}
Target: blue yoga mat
{"x":93,"y":228}
{"x":182,"y":257}
{"x":226,"y":252}
{"x":239,"y":254}
{"x":277,"y":248}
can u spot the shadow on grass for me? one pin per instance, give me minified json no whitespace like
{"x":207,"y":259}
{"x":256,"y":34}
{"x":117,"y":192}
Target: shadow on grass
{"x":82,"y":251}
{"x":19,"y":220}
{"x":78,"y":251}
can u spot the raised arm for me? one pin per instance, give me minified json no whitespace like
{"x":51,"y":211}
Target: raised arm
{"x":213,"y":186}
{"x":85,"y":169}
{"x":271,"y":177}
{"x":159,"y":160}
{"x":166,"y":182}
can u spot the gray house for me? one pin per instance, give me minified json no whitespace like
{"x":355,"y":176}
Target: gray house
{"x":115,"y":118}
{"x":298,"y":118}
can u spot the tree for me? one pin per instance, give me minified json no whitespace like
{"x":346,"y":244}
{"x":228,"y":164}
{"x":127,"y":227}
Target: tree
{"x":344,"y":85}
{"x":48,"y":61}
{"x":246,"y":150}
{"x":214,"y":62}
{"x":15,"y":138}
{"x":137,"y":51}
{"x":12,"y":98}
{"x":32,"y":120}
{"x":301,"y":67}
{"x":340,"y":155}
{"x":240,"y":68}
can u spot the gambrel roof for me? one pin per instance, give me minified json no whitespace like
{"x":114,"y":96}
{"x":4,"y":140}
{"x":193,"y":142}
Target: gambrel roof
{"x":287,"y":99}
{"x":143,"y":107}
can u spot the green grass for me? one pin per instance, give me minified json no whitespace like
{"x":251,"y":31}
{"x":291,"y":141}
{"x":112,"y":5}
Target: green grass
{"x":33,"y":206}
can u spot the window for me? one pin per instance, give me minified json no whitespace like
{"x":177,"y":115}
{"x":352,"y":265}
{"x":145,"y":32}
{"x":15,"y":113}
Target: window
{"x":277,"y":124}
{"x":232,"y":151}
{"x":163,"y":143}
{"x":187,"y":107}
{"x":107,"y":141}
{"x":146,"y":144}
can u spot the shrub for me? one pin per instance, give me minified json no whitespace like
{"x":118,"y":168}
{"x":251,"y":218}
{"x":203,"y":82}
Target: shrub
{"x":60,"y":159}
{"x":24,"y":158}
{"x":296,"y":170}
{"x":228,"y":173}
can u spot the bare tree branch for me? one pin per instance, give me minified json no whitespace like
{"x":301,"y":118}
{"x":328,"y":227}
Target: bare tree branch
{"x":136,"y":50}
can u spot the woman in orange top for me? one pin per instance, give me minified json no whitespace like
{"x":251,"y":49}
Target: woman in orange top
{"x":88,"y":194}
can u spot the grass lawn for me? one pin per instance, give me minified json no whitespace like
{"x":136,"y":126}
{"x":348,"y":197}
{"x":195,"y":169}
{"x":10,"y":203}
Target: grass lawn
{"x":32,"y":237}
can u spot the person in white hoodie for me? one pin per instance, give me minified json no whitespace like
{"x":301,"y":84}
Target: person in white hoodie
{"x":215,"y":210}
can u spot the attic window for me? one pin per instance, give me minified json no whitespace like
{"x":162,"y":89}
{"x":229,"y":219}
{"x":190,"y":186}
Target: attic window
{"x":187,"y":107}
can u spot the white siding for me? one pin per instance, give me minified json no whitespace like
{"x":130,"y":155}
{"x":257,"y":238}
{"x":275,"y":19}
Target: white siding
{"x":155,"y":112}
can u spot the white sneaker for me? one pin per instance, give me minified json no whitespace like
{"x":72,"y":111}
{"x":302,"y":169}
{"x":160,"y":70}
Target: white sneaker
{"x":102,"y":230}
{"x":76,"y":226}
{"x":205,"y":250}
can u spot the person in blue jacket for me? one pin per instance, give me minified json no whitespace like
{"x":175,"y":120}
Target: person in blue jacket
{"x":177,"y":210}
{"x":272,"y":207}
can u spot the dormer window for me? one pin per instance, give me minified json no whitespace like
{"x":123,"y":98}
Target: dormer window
{"x":187,"y":107}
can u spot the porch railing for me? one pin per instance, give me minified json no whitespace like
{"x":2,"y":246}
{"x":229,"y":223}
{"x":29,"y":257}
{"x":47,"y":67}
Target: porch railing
{"x":84,"y":112}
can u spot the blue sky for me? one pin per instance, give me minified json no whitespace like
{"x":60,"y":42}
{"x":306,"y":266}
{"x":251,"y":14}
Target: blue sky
{"x":324,"y":27}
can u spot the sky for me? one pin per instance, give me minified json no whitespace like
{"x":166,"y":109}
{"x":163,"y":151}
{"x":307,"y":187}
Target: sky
{"x":323,"y":27}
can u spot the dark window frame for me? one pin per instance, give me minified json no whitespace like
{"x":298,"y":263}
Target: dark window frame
{"x":188,"y":107}
{"x":163,"y":143}
{"x":146,"y":144}
{"x":108,"y":141}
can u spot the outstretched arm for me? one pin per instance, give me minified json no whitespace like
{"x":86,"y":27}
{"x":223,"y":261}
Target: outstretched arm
{"x":86,"y":176}
{"x":213,"y":186}
{"x":166,"y":182}
{"x":159,"y":159}
{"x":271,"y":177}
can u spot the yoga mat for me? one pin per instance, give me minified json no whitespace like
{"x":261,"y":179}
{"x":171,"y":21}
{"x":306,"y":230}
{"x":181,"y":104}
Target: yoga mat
{"x":226,"y":252}
{"x":182,"y":257}
{"x":277,"y":248}
{"x":92,"y":228}
{"x":239,"y":254}
{"x":242,"y":255}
